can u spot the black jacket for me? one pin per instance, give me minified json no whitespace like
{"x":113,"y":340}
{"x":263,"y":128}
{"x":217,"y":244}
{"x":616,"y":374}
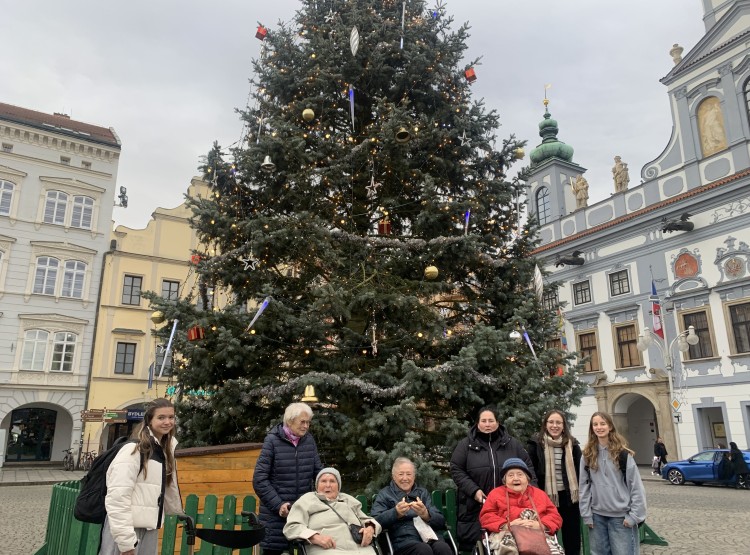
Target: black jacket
{"x":535,"y":447}
{"x":476,"y":464}
{"x":283,"y":473}
{"x":660,"y":450}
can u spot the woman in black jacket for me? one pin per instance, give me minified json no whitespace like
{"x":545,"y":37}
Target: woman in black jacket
{"x":286,"y":469}
{"x":739,"y":466}
{"x":476,"y":466}
{"x":660,"y":450}
{"x":556,"y":457}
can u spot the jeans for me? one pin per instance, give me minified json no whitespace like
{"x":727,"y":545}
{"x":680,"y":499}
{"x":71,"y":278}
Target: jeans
{"x":610,"y":536}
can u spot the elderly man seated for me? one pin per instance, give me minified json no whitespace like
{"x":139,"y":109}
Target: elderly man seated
{"x":329,"y":519}
{"x":407,"y":512}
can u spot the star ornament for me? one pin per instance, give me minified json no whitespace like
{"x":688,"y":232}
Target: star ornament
{"x":465,"y":141}
{"x":249,"y":263}
{"x":372,"y":189}
{"x":331,"y":16}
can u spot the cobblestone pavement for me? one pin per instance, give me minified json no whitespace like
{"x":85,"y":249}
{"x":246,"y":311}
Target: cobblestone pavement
{"x":693,"y":519}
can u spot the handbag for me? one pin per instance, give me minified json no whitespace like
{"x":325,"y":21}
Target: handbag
{"x":530,"y":541}
{"x":655,"y":462}
{"x":354,"y":529}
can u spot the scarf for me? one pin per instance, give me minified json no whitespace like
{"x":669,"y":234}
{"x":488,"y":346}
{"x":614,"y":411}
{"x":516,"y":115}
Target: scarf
{"x":290,"y":435}
{"x":550,"y":478}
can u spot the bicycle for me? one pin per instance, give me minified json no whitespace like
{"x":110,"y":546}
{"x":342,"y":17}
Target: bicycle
{"x":68,"y":461}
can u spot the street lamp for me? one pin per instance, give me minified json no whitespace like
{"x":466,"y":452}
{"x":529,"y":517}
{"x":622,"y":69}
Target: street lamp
{"x":684,"y":340}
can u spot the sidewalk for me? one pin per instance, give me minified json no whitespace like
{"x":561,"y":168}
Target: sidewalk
{"x":37,"y":476}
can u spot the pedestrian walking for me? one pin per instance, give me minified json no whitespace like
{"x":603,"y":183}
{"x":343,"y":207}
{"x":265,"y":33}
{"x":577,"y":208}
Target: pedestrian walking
{"x":660,"y":451}
{"x":739,"y":466}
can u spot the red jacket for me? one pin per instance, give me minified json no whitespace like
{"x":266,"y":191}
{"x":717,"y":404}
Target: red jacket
{"x":494,"y":513}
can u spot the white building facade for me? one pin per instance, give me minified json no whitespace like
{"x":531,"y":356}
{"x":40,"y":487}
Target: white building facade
{"x":57,"y":190}
{"x":685,"y":229}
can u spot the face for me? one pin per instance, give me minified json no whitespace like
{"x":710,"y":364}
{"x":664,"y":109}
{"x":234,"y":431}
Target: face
{"x":516,"y":480}
{"x":555,"y":425}
{"x":300,"y":425}
{"x":487,"y":422}
{"x":404,"y":476}
{"x":328,"y":486}
{"x":600,"y":427}
{"x":162,"y":422}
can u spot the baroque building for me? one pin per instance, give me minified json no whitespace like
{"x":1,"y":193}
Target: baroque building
{"x":670,"y":252}
{"x":57,"y":190}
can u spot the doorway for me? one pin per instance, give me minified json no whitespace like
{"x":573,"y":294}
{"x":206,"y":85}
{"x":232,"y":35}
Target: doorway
{"x":32,"y":433}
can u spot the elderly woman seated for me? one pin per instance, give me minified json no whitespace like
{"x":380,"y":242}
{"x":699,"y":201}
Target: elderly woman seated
{"x":518,"y":503}
{"x":324,"y":518}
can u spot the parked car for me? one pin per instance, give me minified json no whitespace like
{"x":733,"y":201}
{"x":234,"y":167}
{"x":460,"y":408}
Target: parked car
{"x":704,"y":467}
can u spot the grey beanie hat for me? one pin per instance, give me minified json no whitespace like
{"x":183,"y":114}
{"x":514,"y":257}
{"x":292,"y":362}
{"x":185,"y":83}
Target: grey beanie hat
{"x":328,"y":470}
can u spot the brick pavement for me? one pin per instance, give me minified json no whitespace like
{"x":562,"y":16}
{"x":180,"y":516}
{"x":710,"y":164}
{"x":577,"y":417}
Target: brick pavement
{"x":13,"y":476}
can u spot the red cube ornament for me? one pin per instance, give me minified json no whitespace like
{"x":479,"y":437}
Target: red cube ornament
{"x":261,"y":33}
{"x":195,"y":333}
{"x":195,"y":259}
{"x":471,"y":75}
{"x":384,"y":226}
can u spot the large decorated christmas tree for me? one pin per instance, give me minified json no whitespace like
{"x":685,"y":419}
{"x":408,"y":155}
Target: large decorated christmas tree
{"x":365,"y":239}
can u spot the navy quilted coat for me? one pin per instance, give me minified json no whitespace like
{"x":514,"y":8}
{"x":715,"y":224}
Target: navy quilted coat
{"x":283,"y":474}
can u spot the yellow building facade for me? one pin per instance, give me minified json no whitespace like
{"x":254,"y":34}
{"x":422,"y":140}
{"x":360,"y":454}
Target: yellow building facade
{"x":156,"y":258}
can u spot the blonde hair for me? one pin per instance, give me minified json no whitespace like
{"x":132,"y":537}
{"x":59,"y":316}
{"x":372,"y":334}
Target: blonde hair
{"x":616,"y":443}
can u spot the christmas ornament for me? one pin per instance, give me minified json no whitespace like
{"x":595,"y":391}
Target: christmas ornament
{"x":195,"y":333}
{"x":437,"y":11}
{"x":261,"y":33}
{"x":309,"y":396}
{"x":268,"y":166}
{"x":538,"y":283}
{"x":467,"y":216}
{"x":195,"y":259}
{"x":402,"y":135}
{"x":351,"y":103}
{"x":330,"y":16}
{"x":157,"y":317}
{"x":372,"y":188}
{"x":261,"y":308}
{"x":354,"y":41}
{"x":528,"y":342}
{"x":249,"y":263}
{"x":403,"y":20}
{"x":471,"y":75}
{"x":519,"y":153}
{"x":384,"y":226}
{"x":465,"y":141}
{"x":431,"y":272}
{"x":308,"y":115}
{"x":515,"y":335}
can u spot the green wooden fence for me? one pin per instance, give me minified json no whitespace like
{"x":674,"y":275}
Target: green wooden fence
{"x":68,"y":536}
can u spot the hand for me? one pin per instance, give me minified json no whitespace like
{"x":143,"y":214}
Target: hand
{"x":326,"y":542}
{"x":284,"y":510}
{"x":626,"y":524}
{"x":367,"y":534}
{"x":479,"y":496}
{"x":591,"y":526}
{"x":402,"y":507}
{"x":526,"y":523}
{"x":420,"y":509}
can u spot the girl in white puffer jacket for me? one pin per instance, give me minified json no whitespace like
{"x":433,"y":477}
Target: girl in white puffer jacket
{"x":142,"y":486}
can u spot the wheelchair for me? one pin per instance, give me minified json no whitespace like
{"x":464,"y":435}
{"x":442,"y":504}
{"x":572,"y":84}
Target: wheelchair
{"x":382,"y":544}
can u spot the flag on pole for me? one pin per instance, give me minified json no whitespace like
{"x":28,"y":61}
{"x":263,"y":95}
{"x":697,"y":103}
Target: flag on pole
{"x":656,"y":311}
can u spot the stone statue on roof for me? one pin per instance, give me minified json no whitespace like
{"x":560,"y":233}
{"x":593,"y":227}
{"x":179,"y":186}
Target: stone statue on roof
{"x":581,"y":190}
{"x":620,"y":175}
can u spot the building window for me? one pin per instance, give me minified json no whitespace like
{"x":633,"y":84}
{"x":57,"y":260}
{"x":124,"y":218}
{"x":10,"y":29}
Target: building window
{"x":550,"y":301}
{"x":588,"y":348}
{"x":125,"y":358}
{"x":619,"y":283}
{"x":704,"y":348}
{"x":160,"y":349}
{"x":54,"y":207}
{"x":739,"y":317}
{"x":627,"y":346}
{"x":46,"y":275}
{"x":65,"y":160}
{"x":63,"y":350}
{"x":6,"y":197}
{"x":75,"y":272}
{"x":131,"y":290}
{"x":543,"y":210}
{"x":7,"y":148}
{"x":86,"y":165}
{"x":582,"y":292}
{"x":34,"y":350}
{"x":170,"y":289}
{"x":83,"y":211}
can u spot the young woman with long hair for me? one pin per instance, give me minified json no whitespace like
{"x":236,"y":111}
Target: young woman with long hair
{"x":142,"y":485}
{"x":612,"y":503}
{"x":556,"y":457}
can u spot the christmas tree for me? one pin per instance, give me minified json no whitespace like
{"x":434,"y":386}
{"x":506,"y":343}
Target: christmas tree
{"x":369,"y":243}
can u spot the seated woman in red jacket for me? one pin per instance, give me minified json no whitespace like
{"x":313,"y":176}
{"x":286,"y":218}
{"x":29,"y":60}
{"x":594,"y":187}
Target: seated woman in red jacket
{"x":505,"y":505}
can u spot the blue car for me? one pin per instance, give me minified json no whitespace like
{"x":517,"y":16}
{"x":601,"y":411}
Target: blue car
{"x":711,"y":465}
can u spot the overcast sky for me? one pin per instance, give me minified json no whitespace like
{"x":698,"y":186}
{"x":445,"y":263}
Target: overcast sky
{"x":167,"y":75}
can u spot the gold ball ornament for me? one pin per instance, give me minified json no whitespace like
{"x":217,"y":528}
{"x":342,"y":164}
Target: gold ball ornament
{"x":157,"y":317}
{"x":519,"y":153}
{"x":431,"y":272}
{"x":308,"y":115}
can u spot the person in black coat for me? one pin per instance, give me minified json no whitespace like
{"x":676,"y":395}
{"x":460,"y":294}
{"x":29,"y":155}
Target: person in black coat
{"x":476,"y":466}
{"x":660,"y":450}
{"x":556,"y":457}
{"x":286,"y":469}
{"x":739,"y":466}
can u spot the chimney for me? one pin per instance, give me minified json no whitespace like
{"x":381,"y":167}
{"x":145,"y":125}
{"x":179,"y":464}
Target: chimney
{"x":66,"y":116}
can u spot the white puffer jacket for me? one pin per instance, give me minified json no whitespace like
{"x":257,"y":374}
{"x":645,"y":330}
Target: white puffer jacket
{"x":134,"y":501}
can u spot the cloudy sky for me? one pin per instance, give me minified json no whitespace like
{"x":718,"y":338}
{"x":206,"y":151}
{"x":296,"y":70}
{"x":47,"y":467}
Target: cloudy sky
{"x":167,"y":75}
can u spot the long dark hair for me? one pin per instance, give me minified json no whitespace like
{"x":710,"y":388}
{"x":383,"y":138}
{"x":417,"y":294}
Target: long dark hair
{"x":142,"y":434}
{"x":566,"y":437}
{"x":616,"y":442}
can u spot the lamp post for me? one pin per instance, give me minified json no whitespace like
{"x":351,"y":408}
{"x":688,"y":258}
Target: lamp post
{"x":684,"y":340}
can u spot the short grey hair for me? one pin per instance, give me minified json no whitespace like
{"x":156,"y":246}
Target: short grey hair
{"x":403,"y":460}
{"x":295,"y":410}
